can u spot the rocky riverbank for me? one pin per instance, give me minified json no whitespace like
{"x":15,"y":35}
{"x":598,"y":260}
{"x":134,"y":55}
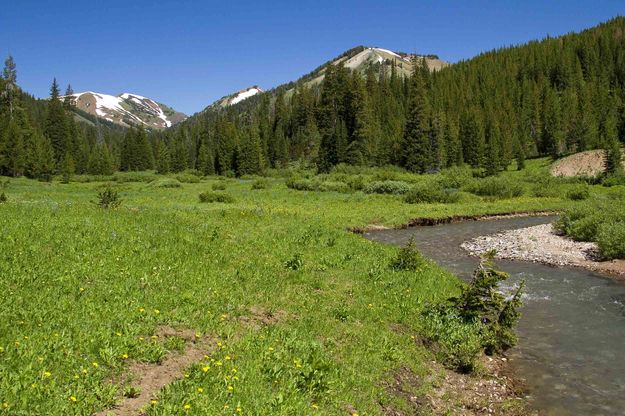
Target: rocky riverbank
{"x":541,"y":244}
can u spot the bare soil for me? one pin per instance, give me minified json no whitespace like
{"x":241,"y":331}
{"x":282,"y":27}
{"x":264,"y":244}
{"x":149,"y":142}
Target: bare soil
{"x":150,"y":378}
{"x":588,"y":163}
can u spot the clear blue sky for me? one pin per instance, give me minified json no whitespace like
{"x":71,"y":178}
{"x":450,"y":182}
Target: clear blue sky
{"x":189,"y":53}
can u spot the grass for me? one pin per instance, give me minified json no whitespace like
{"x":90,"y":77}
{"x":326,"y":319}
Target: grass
{"x":84,"y":289}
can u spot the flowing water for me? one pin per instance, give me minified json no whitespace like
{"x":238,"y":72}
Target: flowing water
{"x":571,"y":349}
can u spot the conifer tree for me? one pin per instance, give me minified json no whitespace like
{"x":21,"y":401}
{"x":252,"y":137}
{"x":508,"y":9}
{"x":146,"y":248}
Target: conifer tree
{"x":55,"y":126}
{"x":416,"y":142}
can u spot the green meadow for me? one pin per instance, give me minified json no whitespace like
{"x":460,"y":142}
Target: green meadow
{"x":84,"y":290}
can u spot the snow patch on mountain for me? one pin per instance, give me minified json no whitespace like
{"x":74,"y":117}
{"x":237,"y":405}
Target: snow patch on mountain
{"x":245,"y":94}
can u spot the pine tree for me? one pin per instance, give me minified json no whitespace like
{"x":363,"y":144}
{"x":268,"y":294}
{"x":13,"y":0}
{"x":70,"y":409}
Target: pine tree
{"x":249,"y":154}
{"x":67,"y":168}
{"x":613,"y":154}
{"x":55,"y":126}
{"x":162,"y":157}
{"x":418,"y":130}
{"x":9,"y":74}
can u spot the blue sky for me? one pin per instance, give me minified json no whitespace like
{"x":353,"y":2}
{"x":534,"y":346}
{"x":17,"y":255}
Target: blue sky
{"x":189,"y":53}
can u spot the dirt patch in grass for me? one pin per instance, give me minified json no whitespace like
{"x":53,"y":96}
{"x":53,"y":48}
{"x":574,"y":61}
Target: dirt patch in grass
{"x":589,"y":163}
{"x":492,"y":392}
{"x":148,"y":379}
{"x":260,"y":317}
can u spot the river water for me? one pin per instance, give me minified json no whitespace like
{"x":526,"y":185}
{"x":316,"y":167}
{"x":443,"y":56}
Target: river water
{"x":571,"y":349}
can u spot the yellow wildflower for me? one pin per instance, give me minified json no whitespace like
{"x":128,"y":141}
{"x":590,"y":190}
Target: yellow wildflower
{"x":95,"y":365}
{"x":47,"y":374}
{"x":227,"y":358}
{"x":156,"y":312}
{"x":230,"y":388}
{"x":187,"y":406}
{"x":206,"y":368}
{"x":153,"y":402}
{"x":72,"y":398}
{"x":238,"y":410}
{"x":125,"y":356}
{"x":200,"y":390}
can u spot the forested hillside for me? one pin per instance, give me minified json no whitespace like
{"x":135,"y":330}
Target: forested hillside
{"x":550,"y":97}
{"x":40,"y":138}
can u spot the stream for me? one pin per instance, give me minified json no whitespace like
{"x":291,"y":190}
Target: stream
{"x":571,"y":349}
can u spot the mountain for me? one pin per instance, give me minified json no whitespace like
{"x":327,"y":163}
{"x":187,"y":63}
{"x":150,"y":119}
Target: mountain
{"x":237,"y":97}
{"x":361,"y":58}
{"x":128,"y":109}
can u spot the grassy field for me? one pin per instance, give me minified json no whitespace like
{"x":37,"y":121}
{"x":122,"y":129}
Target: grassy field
{"x":84,"y":291}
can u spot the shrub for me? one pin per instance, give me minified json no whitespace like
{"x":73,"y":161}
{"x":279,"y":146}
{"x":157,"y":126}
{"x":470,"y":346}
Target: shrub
{"x":387,"y":187}
{"x":611,"y":240}
{"x":3,"y":198}
{"x":408,"y":258}
{"x":260,"y":184}
{"x":187,"y":177}
{"x":166,"y":183}
{"x":108,"y":198}
{"x":497,"y":187}
{"x":585,"y":229}
{"x":541,"y":191}
{"x":428,"y":194}
{"x":211,"y":197}
{"x":219,"y":186}
{"x":481,"y":318}
{"x":330,"y":186}
{"x":579,"y":193}
{"x":613,"y":180}
{"x":455,"y":178}
{"x":302,"y":184}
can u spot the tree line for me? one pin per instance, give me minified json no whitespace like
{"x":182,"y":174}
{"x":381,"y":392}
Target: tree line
{"x":545,"y":98}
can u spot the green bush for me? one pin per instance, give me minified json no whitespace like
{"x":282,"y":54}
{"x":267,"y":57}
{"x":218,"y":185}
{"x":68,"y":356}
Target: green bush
{"x":187,"y":177}
{"x":108,"y":198}
{"x":481,"y":318}
{"x":613,"y":180}
{"x":455,"y":178}
{"x":302,"y":184}
{"x":219,"y":186}
{"x":429,"y":194}
{"x":3,"y":198}
{"x":611,"y":240}
{"x":211,"y":197}
{"x":579,"y":193}
{"x":457,"y":344}
{"x":260,"y":184}
{"x":408,"y":258}
{"x":586,"y":228}
{"x":330,"y":186}
{"x":498,"y":187}
{"x":387,"y":187}
{"x":166,"y":183}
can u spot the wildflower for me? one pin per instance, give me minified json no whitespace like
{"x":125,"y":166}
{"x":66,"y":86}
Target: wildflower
{"x":72,"y":398}
{"x":230,"y":388}
{"x":226,"y":406}
{"x":227,"y":358}
{"x":5,"y":405}
{"x":154,"y":337}
{"x":370,"y":305}
{"x":1,"y":350}
{"x":47,"y":374}
{"x":94,"y":364}
{"x":156,"y":312}
{"x":314,"y":406}
{"x":218,"y":363}
{"x":235,"y":378}
{"x":270,"y":348}
{"x":125,"y":356}
{"x":84,"y":371}
{"x":234,"y":370}
{"x":141,"y":310}
{"x":76,"y":376}
{"x":82,"y":289}
{"x":186,"y":375}
{"x":33,"y":386}
{"x":187,"y":406}
{"x":219,"y":344}
{"x":206,"y":368}
{"x":119,"y":334}
{"x":200,"y":390}
{"x":153,"y":402}
{"x":238,"y":410}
